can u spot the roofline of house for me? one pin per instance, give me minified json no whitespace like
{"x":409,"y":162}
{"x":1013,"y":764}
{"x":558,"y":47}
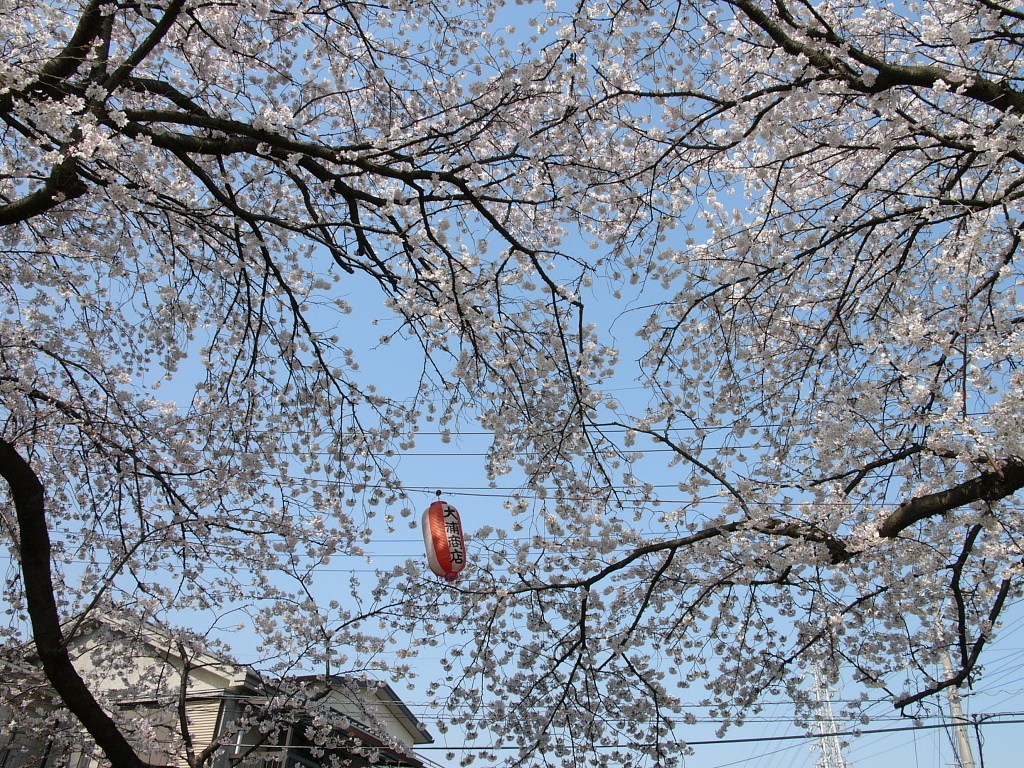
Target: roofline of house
{"x":393,"y":700}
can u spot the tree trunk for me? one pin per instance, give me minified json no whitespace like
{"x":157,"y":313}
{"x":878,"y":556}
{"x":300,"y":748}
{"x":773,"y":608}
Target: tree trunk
{"x":34,"y":552}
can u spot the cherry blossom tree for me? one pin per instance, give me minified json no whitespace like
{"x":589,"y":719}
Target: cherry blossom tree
{"x":814,"y":204}
{"x":819,"y":202}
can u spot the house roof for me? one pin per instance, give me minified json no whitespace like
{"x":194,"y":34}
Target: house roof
{"x":213,"y":675}
{"x":386,"y":696}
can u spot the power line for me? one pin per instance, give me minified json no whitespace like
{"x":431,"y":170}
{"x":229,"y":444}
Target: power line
{"x":980,"y":720}
{"x":639,"y":493}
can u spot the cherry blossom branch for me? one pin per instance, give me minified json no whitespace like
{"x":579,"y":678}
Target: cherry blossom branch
{"x":967,"y":665}
{"x":861,"y":472}
{"x":989,"y":486}
{"x":681,"y":451}
{"x":686,"y":541}
{"x":56,"y":71}
{"x":1000,"y":96}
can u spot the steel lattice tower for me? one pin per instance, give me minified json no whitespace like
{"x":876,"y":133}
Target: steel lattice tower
{"x":829,"y":743}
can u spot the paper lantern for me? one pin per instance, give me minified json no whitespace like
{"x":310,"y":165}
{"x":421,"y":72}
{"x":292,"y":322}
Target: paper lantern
{"x":446,"y":545}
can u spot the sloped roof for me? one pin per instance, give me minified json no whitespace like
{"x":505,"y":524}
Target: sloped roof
{"x":212,"y":674}
{"x":386,"y":697}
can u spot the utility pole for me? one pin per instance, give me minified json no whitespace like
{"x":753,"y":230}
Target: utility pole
{"x":829,"y":743}
{"x":962,"y":745}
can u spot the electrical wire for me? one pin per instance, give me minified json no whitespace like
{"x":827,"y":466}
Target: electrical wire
{"x":752,"y":739}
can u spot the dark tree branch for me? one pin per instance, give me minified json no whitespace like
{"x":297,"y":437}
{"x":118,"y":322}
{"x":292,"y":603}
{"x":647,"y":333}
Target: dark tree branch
{"x":988,"y":486}
{"x":886,"y":75}
{"x":861,"y":472}
{"x":183,"y":682}
{"x":968,"y":665}
{"x":54,"y":72}
{"x":61,"y":185}
{"x":34,"y":551}
{"x":139,"y":55}
{"x":686,"y":541}
{"x":167,"y":91}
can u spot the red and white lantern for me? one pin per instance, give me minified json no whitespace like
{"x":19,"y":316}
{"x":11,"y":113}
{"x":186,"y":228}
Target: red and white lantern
{"x":446,"y":545}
